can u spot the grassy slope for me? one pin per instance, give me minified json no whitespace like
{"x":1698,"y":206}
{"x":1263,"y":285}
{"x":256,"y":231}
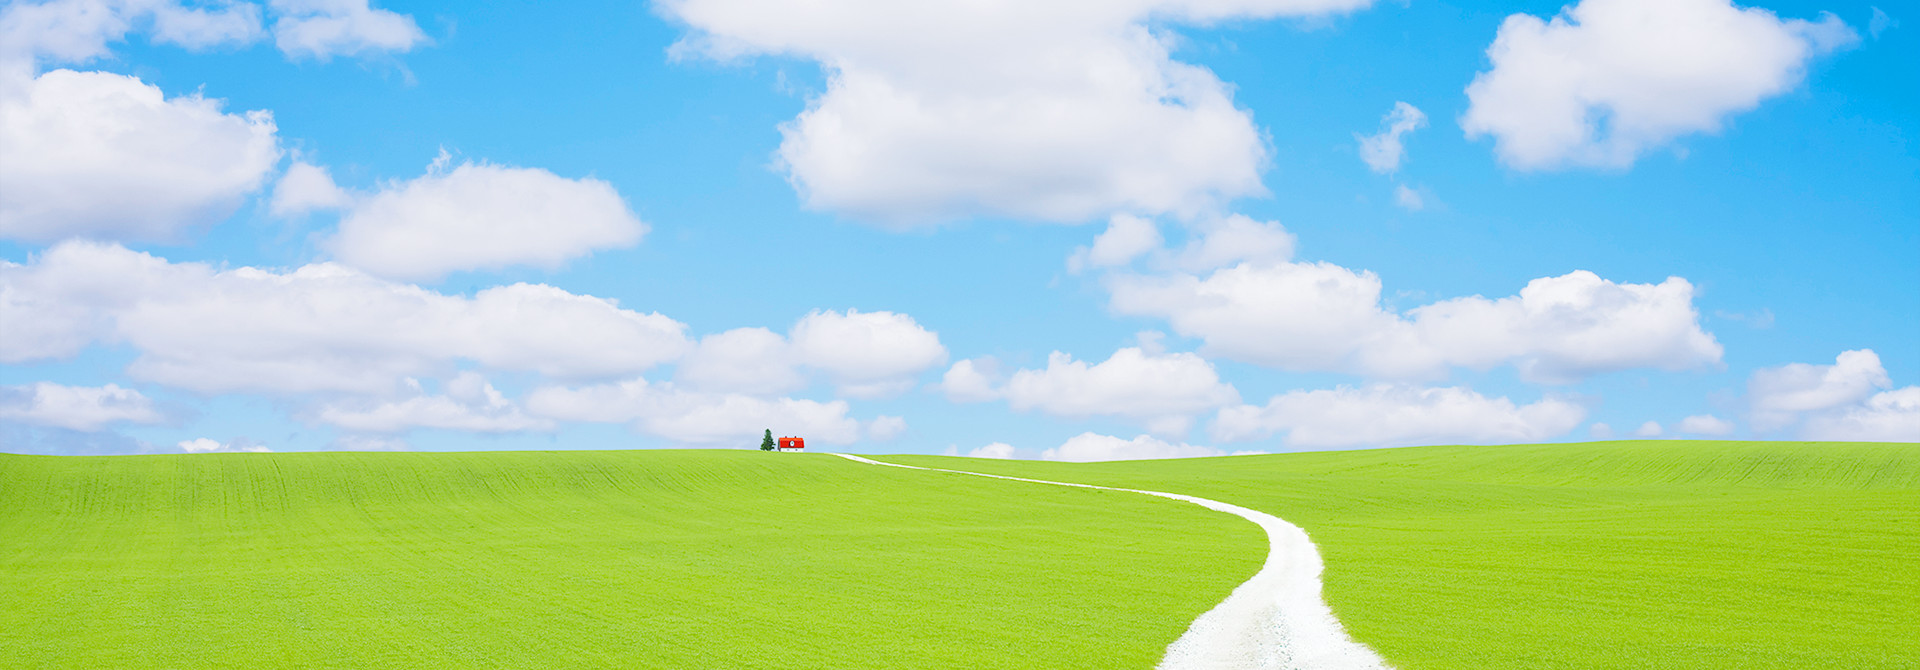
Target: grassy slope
{"x":1609,"y":555}
{"x":589,"y":559}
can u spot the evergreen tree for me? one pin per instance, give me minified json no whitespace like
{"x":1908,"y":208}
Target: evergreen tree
{"x":766,"y":443}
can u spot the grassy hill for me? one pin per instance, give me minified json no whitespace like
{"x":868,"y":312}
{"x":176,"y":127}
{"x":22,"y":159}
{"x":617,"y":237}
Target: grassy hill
{"x":1628,"y":554}
{"x":664,"y":559}
{"x":1608,"y":555}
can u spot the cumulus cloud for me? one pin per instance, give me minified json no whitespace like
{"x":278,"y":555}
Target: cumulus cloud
{"x":1408,"y":199}
{"x":1779,"y":395}
{"x":1000,"y":450}
{"x":1164,"y":391}
{"x":1649,"y":429}
{"x":1127,"y":237}
{"x":322,"y":327}
{"x":1212,"y":242}
{"x":886,"y":428}
{"x":1607,"y":80}
{"x":1392,"y":415}
{"x":869,"y":354}
{"x":482,"y":217}
{"x":694,"y":417}
{"x":1383,"y":151}
{"x":107,"y":156}
{"x":205,"y":445}
{"x":1051,"y":111}
{"x":371,"y":443}
{"x":1705,"y":424}
{"x":470,"y":404}
{"x":205,"y":27}
{"x":971,"y":380}
{"x":1222,"y":241}
{"x":81,"y":408}
{"x":1843,"y":401}
{"x":755,"y":361}
{"x":1323,"y":317}
{"x":1089,"y":447}
{"x":77,"y":31}
{"x":1890,"y":416}
{"x":322,"y":29}
{"x":306,"y":187}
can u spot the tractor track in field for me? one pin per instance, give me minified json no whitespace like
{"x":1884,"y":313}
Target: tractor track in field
{"x":1275,"y":620}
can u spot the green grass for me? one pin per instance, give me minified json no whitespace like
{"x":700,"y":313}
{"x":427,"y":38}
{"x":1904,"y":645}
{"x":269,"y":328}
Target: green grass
{"x":1609,"y":555}
{"x":661,"y":559}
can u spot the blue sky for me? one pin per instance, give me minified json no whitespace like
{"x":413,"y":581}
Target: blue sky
{"x":959,"y":228}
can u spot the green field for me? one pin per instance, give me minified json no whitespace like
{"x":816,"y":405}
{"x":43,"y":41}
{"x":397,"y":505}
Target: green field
{"x":1610,"y":555}
{"x":656,"y":559}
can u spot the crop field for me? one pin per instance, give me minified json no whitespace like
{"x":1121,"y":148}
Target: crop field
{"x":664,"y":559}
{"x":1627,"y":554}
{"x":1608,"y":555}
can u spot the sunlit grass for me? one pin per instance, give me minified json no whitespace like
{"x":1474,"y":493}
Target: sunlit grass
{"x":1609,"y":555}
{"x":656,"y":559}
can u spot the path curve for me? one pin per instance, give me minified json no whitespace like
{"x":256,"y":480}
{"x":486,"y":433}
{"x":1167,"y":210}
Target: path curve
{"x":1273,"y":621}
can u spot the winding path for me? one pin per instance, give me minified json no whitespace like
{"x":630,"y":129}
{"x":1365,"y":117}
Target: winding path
{"x":1273,"y":621}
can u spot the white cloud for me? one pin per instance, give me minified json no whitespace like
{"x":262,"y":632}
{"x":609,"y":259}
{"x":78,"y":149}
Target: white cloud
{"x":1408,"y":199}
{"x":101,"y":155}
{"x":1835,"y":402}
{"x":1607,"y":80}
{"x":1127,"y":237}
{"x":1224,"y":241}
{"x":1323,"y":317}
{"x":1165,"y":391}
{"x":755,"y":361}
{"x":205,"y":27}
{"x":1778,"y":396}
{"x":1000,"y":450}
{"x":208,"y":446}
{"x":482,"y":217}
{"x":82,"y":408}
{"x":1089,"y":447}
{"x":1648,"y":429}
{"x":304,"y":188}
{"x":371,"y":443}
{"x":1890,"y":416}
{"x":886,"y":428}
{"x":869,"y":354}
{"x":322,"y":327}
{"x":322,"y":29}
{"x":1382,"y":152}
{"x":1391,"y":415}
{"x":1054,"y":111}
{"x":77,"y":31}
{"x":1601,"y":431}
{"x":971,"y":380}
{"x":1705,"y":424}
{"x":696,"y":418}
{"x":1213,"y":241}
{"x":469,"y":404}
{"x":1879,"y":22}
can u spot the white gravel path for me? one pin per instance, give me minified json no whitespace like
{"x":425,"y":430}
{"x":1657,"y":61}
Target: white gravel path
{"x":1273,"y":621}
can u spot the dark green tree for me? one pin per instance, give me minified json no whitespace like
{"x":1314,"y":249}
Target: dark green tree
{"x":766,"y":443}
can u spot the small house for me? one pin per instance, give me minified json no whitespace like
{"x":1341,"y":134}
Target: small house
{"x":792,"y":444}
